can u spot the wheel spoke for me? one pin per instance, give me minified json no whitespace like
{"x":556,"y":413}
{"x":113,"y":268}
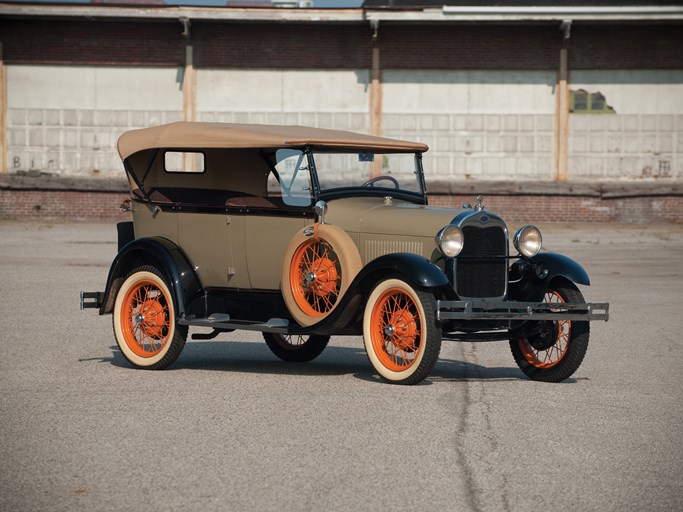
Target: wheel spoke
{"x":553,"y":354}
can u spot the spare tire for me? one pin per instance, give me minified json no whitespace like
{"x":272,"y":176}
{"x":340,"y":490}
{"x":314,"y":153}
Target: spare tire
{"x":318,"y":267}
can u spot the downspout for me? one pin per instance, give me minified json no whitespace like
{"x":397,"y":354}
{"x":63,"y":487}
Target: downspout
{"x":562,"y":107}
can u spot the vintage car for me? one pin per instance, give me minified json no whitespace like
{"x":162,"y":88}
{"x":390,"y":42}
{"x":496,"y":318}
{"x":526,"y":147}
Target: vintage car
{"x":302,"y":233}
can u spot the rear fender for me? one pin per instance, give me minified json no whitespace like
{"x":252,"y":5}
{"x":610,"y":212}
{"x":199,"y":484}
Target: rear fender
{"x":162,"y":253}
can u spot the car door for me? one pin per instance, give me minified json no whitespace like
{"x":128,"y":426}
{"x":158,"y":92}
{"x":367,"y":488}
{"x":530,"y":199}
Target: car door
{"x":267,"y":224}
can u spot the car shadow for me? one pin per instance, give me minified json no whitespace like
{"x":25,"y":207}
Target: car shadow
{"x":248,"y":357}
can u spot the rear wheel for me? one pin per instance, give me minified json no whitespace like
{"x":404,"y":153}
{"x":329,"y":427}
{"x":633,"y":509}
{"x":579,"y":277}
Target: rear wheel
{"x":401,"y":335}
{"x":295,"y":348}
{"x":145,"y":320}
{"x":558,"y":349}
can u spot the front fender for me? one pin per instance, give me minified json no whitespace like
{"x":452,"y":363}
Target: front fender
{"x":562,"y":266}
{"x":531,"y":287}
{"x":160,"y":252}
{"x":416,"y":270}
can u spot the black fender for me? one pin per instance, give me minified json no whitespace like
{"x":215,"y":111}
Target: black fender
{"x":535,"y":275}
{"x":561,"y":266}
{"x":416,"y":270}
{"x":184,"y":282}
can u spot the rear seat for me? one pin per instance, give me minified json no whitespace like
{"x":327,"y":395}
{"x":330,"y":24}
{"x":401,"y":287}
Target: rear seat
{"x":209,"y":197}
{"x":190,"y":196}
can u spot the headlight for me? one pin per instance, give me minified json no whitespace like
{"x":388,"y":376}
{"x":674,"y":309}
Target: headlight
{"x":449,"y":241}
{"x":528,"y":240}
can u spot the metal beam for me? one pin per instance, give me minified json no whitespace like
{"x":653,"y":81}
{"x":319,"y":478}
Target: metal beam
{"x":449,"y":14}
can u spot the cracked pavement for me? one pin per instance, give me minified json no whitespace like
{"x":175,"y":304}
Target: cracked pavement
{"x":231,"y":427}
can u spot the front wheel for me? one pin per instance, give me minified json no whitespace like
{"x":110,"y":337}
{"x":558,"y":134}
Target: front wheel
{"x":401,"y":335}
{"x":145,"y":320}
{"x":558,"y":349}
{"x":295,"y":348}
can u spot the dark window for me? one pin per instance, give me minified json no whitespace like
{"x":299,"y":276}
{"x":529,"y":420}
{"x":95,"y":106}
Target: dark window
{"x":580,"y":100}
{"x":583,"y":102}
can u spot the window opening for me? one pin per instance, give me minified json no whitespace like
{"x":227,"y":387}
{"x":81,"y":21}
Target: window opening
{"x":584,"y":102}
{"x":184,"y":161}
{"x":291,"y":178}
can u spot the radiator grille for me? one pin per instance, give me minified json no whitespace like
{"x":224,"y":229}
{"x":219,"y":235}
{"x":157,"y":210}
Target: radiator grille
{"x":481,"y":269}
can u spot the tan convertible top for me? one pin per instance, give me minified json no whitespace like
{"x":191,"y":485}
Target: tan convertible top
{"x":188,"y":135}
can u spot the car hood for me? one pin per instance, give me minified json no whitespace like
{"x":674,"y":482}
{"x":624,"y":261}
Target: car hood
{"x":371,"y":215}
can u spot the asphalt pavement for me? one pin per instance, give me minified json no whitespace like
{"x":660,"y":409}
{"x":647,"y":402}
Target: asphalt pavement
{"x":231,"y":427}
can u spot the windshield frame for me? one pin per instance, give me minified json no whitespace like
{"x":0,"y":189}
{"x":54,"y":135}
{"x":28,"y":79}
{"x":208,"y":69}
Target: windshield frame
{"x":419,"y":197}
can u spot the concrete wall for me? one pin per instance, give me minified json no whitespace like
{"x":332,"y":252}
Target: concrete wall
{"x":643,"y":139}
{"x":322,"y":98}
{"x":67,"y":119}
{"x":478,"y":124}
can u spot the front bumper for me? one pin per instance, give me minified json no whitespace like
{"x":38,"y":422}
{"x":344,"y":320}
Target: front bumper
{"x":508,"y":310}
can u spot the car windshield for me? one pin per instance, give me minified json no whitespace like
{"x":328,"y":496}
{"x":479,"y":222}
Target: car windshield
{"x":343,"y":174}
{"x":369,"y":173}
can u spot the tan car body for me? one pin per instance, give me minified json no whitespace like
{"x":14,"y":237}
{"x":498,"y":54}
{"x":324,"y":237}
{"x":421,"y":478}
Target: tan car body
{"x":239,"y":251}
{"x":223,"y":238}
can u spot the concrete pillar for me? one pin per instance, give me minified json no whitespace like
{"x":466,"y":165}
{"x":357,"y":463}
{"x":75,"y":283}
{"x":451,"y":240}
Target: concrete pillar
{"x":189,"y":86}
{"x":376,"y":104}
{"x":562,"y":109}
{"x":189,"y":99}
{"x":3,"y":114}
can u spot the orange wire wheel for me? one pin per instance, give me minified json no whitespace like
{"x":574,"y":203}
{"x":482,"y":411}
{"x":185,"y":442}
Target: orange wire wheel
{"x":401,"y":335}
{"x":558,"y":347}
{"x":548,"y":353}
{"x":315,"y":277}
{"x":145,"y":320}
{"x":396,"y":329}
{"x":319,"y":264}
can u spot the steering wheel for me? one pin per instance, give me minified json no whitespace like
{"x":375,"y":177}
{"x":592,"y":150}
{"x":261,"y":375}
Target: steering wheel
{"x":371,"y":182}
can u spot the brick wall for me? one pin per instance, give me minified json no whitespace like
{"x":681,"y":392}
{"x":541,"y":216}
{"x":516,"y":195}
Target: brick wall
{"x":325,"y":46}
{"x":635,"y":46}
{"x":282,"y":46}
{"x":61,"y":204}
{"x":515,"y":209}
{"x":91,"y":42}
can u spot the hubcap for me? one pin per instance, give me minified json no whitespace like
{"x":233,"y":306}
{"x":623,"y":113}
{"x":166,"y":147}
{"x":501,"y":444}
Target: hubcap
{"x":545,"y":336}
{"x":309,"y":280}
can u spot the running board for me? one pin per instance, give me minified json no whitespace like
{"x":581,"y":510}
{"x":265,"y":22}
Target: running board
{"x":222,"y":321}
